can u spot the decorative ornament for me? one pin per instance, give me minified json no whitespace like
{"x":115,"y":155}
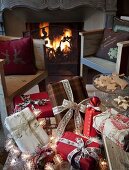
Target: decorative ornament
{"x":95,"y":101}
{"x":27,"y":100}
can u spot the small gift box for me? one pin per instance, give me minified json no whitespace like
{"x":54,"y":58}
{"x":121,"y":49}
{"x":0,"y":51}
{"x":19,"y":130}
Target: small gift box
{"x":92,"y":110}
{"x":37,"y":101}
{"x":115,"y":126}
{"x":79,"y":151}
{"x":26,"y":131}
{"x":72,"y":90}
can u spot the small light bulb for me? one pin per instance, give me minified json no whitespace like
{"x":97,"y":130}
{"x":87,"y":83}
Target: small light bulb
{"x":36,"y":112}
{"x":9,"y":144}
{"x":42,"y":122}
{"x":13,"y":162}
{"x":53,"y":146}
{"x":25,"y":156}
{"x":103,"y":164}
{"x":15,"y":151}
{"x":49,"y":166}
{"x":29,"y":165}
{"x":58,"y":159}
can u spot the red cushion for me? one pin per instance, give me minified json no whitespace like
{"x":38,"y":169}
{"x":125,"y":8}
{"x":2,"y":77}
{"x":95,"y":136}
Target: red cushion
{"x":18,"y":55}
{"x":46,"y":110}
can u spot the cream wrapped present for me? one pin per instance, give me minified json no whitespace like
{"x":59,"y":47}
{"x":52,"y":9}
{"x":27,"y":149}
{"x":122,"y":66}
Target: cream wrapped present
{"x":113,"y":125}
{"x":26,"y":131}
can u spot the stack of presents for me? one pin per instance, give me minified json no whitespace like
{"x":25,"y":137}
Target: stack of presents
{"x":80,"y":122}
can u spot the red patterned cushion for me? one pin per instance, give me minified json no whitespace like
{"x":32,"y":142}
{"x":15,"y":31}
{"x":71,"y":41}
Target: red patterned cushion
{"x":18,"y":55}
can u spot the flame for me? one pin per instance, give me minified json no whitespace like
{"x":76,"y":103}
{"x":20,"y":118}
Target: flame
{"x":58,"y":41}
{"x":44,"y":25}
{"x":67,"y":32}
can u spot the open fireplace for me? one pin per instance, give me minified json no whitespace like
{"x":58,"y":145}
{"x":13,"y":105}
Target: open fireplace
{"x":61,"y":15}
{"x":61,"y":47}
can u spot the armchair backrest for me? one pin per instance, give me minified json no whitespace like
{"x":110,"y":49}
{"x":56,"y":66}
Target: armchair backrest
{"x":90,"y":41}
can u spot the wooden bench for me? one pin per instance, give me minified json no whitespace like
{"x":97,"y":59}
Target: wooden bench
{"x":13,"y":85}
{"x":90,"y":42}
{"x":117,"y":158}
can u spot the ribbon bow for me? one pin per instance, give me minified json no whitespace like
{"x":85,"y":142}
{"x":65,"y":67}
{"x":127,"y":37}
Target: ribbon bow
{"x":81,"y":150}
{"x":72,"y":106}
{"x":27,"y":100}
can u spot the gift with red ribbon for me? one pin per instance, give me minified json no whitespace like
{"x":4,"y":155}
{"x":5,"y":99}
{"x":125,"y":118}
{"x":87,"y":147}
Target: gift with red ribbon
{"x":92,"y":110}
{"x":81,"y":152}
{"x":113,"y":125}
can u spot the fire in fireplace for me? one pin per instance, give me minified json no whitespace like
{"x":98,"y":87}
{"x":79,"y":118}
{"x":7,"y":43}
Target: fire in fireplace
{"x":58,"y":47}
{"x":62,"y":46}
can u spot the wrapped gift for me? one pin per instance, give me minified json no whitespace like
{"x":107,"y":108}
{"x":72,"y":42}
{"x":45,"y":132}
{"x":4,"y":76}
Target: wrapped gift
{"x":26,"y":131}
{"x":79,"y":151}
{"x":72,"y":90}
{"x":37,"y":101}
{"x":115,"y":126}
{"x":92,"y":110}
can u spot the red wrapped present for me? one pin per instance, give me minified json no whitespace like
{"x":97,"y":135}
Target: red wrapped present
{"x":119,"y":127}
{"x":37,"y":101}
{"x":79,"y":151}
{"x":92,"y":110}
{"x":72,"y":90}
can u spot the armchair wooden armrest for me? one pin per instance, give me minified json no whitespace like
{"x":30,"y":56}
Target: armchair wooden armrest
{"x":122,"y":63}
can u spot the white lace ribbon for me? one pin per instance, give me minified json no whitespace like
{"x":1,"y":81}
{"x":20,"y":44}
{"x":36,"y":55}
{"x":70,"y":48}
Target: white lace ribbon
{"x":66,"y":118}
{"x":81,"y":150}
{"x":68,"y":89}
{"x":69,"y":105}
{"x":94,"y":107}
{"x":72,"y":106}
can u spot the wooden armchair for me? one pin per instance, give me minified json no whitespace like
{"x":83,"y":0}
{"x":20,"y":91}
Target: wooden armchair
{"x":90,"y":41}
{"x":13,"y":85}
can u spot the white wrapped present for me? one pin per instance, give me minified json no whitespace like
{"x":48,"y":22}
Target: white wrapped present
{"x":113,"y":125}
{"x":26,"y":131}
